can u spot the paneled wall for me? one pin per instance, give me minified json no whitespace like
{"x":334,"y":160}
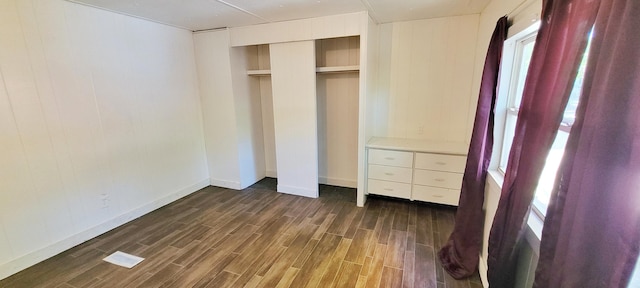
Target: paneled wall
{"x":232,"y":109}
{"x":425,"y":77}
{"x":246,"y":93}
{"x":338,"y":128}
{"x":337,"y":95}
{"x":100,"y":122}
{"x":269,"y":140}
{"x":219,"y":113}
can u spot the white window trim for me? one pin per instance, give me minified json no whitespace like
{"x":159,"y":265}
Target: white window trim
{"x":507,"y":86}
{"x":534,"y":222}
{"x":533,"y":234}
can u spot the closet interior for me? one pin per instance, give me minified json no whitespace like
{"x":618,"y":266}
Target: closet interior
{"x":337,"y":92}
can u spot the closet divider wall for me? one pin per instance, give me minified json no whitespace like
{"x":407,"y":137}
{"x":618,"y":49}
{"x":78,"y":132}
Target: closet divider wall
{"x":247,"y":100}
{"x":293,"y":79}
{"x":219,"y":115}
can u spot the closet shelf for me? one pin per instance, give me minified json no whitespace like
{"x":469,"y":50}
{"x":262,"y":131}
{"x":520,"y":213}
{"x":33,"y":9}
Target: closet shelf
{"x":332,"y":69}
{"x":338,"y":69}
{"x":259,"y":72}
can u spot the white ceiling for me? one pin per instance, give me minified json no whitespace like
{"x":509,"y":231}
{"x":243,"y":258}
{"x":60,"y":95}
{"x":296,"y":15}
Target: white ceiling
{"x":208,"y":14}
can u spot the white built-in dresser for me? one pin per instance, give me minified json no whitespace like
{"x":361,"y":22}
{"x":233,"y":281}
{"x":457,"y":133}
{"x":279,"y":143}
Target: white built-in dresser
{"x":422,"y":170}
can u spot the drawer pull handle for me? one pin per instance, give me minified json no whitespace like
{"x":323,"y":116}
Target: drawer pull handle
{"x":388,"y":174}
{"x":441,"y":163}
{"x":439,"y":180}
{"x":389,"y":158}
{"x":437,"y":196}
{"x":388,"y":189}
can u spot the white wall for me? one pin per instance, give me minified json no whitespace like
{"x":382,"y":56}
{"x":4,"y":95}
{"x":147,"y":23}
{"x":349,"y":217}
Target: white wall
{"x":218,"y":106}
{"x":337,"y":95}
{"x":231,"y":104}
{"x":100,"y":122}
{"x":269,"y":140}
{"x":338,"y":128}
{"x":425,"y":77}
{"x":488,"y":18}
{"x":246,"y":93}
{"x":262,"y":62}
{"x":369,"y":67}
{"x":299,"y":30}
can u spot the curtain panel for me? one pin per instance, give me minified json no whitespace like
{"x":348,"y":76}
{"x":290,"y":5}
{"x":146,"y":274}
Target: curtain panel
{"x":559,"y":47}
{"x":459,"y":256}
{"x":591,"y":233}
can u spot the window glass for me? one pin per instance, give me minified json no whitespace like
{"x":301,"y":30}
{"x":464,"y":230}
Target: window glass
{"x":635,"y":278}
{"x":548,"y":175}
{"x":521,"y":62}
{"x":527,"y":50}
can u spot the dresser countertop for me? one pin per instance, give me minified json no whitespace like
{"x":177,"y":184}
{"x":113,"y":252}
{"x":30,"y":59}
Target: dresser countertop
{"x":419,"y":145}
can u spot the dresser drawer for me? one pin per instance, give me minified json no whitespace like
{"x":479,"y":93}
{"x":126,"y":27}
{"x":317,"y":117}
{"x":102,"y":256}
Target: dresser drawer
{"x":440,"y":162}
{"x":388,"y":173}
{"x":437,"y":179}
{"x":387,"y":188}
{"x":391,"y":158}
{"x":436,"y":195}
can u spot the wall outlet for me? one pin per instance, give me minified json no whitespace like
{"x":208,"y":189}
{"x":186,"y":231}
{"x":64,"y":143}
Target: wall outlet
{"x":105,"y":200}
{"x":420,"y":129}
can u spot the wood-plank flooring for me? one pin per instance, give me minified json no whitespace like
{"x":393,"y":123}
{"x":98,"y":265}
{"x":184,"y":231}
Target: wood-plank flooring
{"x":260,"y":238}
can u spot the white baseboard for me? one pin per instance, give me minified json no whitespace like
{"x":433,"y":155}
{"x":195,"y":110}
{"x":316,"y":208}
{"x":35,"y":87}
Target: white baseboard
{"x":297,"y":191}
{"x":323,"y":180}
{"x":338,"y":182}
{"x":35,"y":257}
{"x":482,"y":269}
{"x":226,"y":184}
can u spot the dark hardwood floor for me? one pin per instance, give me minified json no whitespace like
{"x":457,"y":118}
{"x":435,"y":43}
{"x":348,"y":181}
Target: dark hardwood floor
{"x":260,"y":238}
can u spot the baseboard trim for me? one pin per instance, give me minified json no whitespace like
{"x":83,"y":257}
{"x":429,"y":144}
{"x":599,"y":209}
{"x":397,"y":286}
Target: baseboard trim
{"x":35,"y":257}
{"x":271,"y":174}
{"x":338,"y":182}
{"x":482,"y":270}
{"x":297,"y":191}
{"x":226,"y":184}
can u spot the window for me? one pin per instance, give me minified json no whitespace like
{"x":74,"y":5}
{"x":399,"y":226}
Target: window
{"x":517,"y":56}
{"x":635,"y":277}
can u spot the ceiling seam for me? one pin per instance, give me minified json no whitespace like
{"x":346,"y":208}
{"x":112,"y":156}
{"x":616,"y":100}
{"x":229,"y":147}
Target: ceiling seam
{"x":243,"y":10}
{"x":372,"y":12}
{"x":129,"y":15}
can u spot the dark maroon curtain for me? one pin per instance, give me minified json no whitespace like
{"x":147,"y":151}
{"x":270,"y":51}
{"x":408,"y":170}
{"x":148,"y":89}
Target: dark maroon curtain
{"x":591,"y":233}
{"x":459,"y":256}
{"x":559,"y":47}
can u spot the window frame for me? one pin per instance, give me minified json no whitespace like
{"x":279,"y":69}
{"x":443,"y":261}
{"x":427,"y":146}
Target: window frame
{"x":505,"y":104}
{"x":507,"y":109}
{"x":515,"y":44}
